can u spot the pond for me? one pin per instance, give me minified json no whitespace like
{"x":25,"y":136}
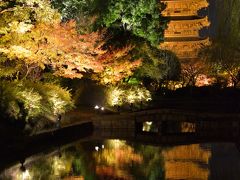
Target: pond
{"x":120,"y":159}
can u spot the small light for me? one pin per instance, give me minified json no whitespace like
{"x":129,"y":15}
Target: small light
{"x":102,"y":146}
{"x":102,"y":108}
{"x":96,"y":148}
{"x":149,"y":123}
{"x":26,"y":175}
{"x":96,"y":107}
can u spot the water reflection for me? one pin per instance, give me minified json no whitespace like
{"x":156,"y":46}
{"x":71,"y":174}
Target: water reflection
{"x":187,"y":162}
{"x":116,"y":159}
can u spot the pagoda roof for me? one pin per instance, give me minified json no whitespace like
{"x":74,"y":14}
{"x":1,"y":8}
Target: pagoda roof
{"x":186,"y":47}
{"x":184,"y":39}
{"x":196,"y":23}
{"x":183,"y":7}
{"x":185,"y":17}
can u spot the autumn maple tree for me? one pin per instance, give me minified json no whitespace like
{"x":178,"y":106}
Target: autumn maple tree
{"x":48,"y":42}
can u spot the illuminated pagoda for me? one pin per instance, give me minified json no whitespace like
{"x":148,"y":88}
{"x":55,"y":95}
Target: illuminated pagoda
{"x":183,"y":33}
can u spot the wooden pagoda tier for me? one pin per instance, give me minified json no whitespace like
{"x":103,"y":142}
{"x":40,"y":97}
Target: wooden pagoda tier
{"x":185,"y":47}
{"x":183,"y":7}
{"x":186,"y":27}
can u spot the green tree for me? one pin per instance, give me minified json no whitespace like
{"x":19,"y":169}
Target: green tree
{"x":141,"y":18}
{"x":84,"y":12}
{"x":157,"y":66}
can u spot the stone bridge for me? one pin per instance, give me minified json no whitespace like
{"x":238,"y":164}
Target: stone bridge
{"x":161,"y":126}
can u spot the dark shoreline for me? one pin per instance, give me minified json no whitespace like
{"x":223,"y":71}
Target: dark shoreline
{"x":27,"y":146}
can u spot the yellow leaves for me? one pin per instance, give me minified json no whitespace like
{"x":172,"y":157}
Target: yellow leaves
{"x":31,"y":100}
{"x":116,"y":70}
{"x":43,"y":12}
{"x":3,"y":30}
{"x":119,"y":95}
{"x":16,"y":52}
{"x":31,"y":3}
{"x":20,"y":52}
{"x":20,"y":27}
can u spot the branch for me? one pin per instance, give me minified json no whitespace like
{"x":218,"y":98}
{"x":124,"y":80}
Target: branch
{"x":6,"y":10}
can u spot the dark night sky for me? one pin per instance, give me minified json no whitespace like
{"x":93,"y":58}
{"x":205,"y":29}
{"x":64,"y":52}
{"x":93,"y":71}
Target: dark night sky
{"x":211,"y":13}
{"x":212,"y":17}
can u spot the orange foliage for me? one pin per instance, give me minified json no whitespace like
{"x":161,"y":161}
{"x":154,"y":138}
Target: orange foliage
{"x":71,"y":54}
{"x":117,"y":64}
{"x":68,"y":53}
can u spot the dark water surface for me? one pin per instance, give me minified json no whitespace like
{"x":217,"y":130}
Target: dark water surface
{"x":117,"y":159}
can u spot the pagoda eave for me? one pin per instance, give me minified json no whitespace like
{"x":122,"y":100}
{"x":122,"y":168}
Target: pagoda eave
{"x":185,"y":47}
{"x":183,"y":7}
{"x":188,"y":28}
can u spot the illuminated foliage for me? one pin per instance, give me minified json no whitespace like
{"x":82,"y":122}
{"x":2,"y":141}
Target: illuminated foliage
{"x":204,"y":80}
{"x":9,"y":68}
{"x":127,"y":94}
{"x":17,"y":20}
{"x":68,"y":53}
{"x":26,"y":100}
{"x":57,"y":45}
{"x":51,"y":44}
{"x":117,"y":64}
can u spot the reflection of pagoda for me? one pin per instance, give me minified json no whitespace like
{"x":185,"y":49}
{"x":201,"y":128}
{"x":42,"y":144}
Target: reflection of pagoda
{"x":182,"y":36}
{"x":187,"y":162}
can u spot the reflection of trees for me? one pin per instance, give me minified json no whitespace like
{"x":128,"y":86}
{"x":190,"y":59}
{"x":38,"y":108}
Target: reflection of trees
{"x":138,"y":161}
{"x":116,"y":159}
{"x":74,"y":161}
{"x":42,"y":169}
{"x":113,"y":159}
{"x":83,"y":164}
{"x":152,"y":166}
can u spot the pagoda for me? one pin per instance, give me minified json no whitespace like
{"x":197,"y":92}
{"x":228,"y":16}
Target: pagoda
{"x":183,"y":33}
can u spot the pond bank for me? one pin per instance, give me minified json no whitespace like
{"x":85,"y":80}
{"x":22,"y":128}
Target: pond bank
{"x":19,"y":148}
